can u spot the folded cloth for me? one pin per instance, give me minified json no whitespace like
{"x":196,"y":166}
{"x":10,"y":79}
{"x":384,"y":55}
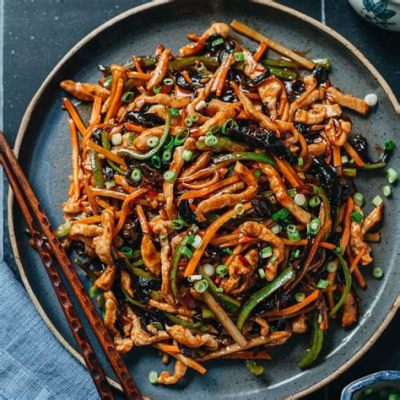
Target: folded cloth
{"x":33,"y":364}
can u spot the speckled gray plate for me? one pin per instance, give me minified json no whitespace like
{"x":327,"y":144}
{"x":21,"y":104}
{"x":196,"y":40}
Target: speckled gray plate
{"x":44,"y":150}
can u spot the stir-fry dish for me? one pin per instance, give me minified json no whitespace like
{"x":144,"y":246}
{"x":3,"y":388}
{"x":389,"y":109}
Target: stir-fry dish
{"x":213,"y":204}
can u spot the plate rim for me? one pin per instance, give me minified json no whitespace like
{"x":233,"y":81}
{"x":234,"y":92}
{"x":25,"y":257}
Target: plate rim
{"x":85,"y":40}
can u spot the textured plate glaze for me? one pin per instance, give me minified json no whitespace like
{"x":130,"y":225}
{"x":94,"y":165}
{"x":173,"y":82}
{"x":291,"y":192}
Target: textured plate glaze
{"x":44,"y":150}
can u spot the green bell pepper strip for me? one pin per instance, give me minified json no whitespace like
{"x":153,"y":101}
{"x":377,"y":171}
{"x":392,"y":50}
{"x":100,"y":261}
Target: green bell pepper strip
{"x":134,"y":302}
{"x":182,"y":322}
{"x":180,"y":63}
{"x":224,"y":144}
{"x":230,"y":304}
{"x":206,"y":313}
{"x":317,"y":339}
{"x":106,"y":144}
{"x":373,"y":166}
{"x":143,"y":274}
{"x":96,"y":169}
{"x":260,"y":157}
{"x":350,"y":172}
{"x":144,"y":156}
{"x":286,"y":276}
{"x":193,"y":229}
{"x":283,"y":73}
{"x":278,"y":63}
{"x":347,"y":286}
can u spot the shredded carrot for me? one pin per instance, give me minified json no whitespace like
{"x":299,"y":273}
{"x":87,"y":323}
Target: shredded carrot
{"x":194,"y":37}
{"x":356,"y":260}
{"x":337,"y":159}
{"x":171,"y":348}
{"x":91,"y":198}
{"x":221,"y":74}
{"x":372,"y":237}
{"x":133,"y":127}
{"x":189,"y":362}
{"x":73,"y":113}
{"x":358,"y":276}
{"x":303,"y":242}
{"x":353,"y":154}
{"x":288,"y":172}
{"x":187,"y":77}
{"x":295,"y":308}
{"x":136,"y":60}
{"x":75,"y":158}
{"x":102,"y":203}
{"x":109,"y":193}
{"x":96,"y":111}
{"x":208,"y":235}
{"x":262,"y":48}
{"x":125,"y":208}
{"x":194,"y":194}
{"x":347,"y":224}
{"x":254,"y":96}
{"x":142,"y":219}
{"x":331,"y":288}
{"x":115,"y":100}
{"x":106,"y":153}
{"x":138,"y":75}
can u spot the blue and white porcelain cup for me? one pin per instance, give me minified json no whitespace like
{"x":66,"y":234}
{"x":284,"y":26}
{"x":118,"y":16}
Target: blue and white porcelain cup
{"x":382,"y":13}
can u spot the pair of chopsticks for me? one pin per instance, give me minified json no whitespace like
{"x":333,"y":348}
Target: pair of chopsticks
{"x":39,"y":225}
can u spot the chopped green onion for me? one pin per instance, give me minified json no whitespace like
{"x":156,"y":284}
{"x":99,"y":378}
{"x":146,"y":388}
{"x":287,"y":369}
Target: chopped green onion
{"x":389,"y":145}
{"x":228,"y":125}
{"x":314,"y":226}
{"x":181,"y":137}
{"x":63,"y":229}
{"x":188,"y":122}
{"x":276,"y":229}
{"x":291,"y":192}
{"x":266,"y":252}
{"x":300,"y":161}
{"x":300,"y":199}
{"x":197,"y":242}
{"x":116,"y":139}
{"x":292,"y":232}
{"x":357,"y":217}
{"x":358,"y":199}
{"x":299,"y":297}
{"x":387,"y":190}
{"x":194,"y":117}
{"x":261,"y":272}
{"x":257,"y":173}
{"x":254,"y":368}
{"x":200,"y":286}
{"x":109,"y":184}
{"x":177,"y":224}
{"x":208,"y":269}
{"x":166,"y":156}
{"x":331,"y":266}
{"x":174,"y":112}
{"x":344,"y":159}
{"x":187,"y":155}
{"x":168,"y":81}
{"x":194,"y":278}
{"x":211,"y":140}
{"x":219,"y":290}
{"x":217,"y":42}
{"x":377,"y":273}
{"x":157,"y":89}
{"x":131,"y":138}
{"x":280,"y":215}
{"x":152,"y":141}
{"x":392,"y":175}
{"x":322,"y":284}
{"x":136,"y":175}
{"x":314,"y":201}
{"x":153,"y":377}
{"x":169,"y":176}
{"x":239,"y":209}
{"x":377,"y":201}
{"x":126,"y":251}
{"x":239,"y":56}
{"x":228,"y":251}
{"x":221,"y":270}
{"x":127,"y":97}
{"x":295,"y":254}
{"x":187,"y":252}
{"x":156,"y":161}
{"x":108,"y":81}
{"x":94,"y":291}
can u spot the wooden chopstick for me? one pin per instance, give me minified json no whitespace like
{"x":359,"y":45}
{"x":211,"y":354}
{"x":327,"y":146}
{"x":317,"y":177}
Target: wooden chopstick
{"x":25,"y":196}
{"x":85,"y":347}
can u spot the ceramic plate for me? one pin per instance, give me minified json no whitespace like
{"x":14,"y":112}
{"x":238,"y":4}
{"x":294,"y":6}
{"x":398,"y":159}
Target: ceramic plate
{"x":44,"y":150}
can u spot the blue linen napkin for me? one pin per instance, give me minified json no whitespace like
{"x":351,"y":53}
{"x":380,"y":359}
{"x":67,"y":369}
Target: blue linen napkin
{"x":33,"y":364}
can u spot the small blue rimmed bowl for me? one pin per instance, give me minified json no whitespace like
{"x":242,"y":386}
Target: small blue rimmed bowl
{"x":376,"y":381}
